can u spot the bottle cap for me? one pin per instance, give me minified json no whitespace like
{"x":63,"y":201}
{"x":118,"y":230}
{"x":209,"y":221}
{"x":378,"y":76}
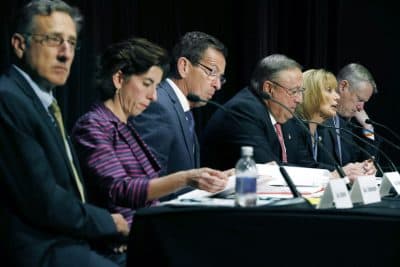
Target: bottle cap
{"x":247,"y":151}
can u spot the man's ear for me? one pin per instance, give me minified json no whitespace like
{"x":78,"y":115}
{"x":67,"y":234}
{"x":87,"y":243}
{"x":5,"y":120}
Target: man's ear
{"x":343,"y":84}
{"x":183,"y":66}
{"x":18,"y":44}
{"x":267,"y":87}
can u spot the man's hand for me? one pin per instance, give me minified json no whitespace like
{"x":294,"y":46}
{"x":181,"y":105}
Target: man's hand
{"x":353,"y":170}
{"x":207,"y":179}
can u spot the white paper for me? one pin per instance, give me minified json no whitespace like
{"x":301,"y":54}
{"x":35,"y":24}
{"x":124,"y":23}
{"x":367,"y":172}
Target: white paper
{"x":300,"y":176}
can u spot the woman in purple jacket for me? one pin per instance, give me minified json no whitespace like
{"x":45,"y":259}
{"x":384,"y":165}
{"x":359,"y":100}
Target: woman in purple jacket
{"x":120,"y":171}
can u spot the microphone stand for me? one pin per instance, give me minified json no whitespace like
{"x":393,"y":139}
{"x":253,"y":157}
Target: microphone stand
{"x":361,"y":148}
{"x":369,"y":121}
{"x":373,"y":132}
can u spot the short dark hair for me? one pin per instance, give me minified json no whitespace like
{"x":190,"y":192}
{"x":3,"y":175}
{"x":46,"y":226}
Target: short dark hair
{"x":132,"y":56}
{"x":192,"y":46}
{"x":269,"y":68}
{"x":25,"y":18}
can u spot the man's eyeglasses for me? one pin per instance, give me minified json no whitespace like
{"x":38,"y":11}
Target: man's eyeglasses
{"x":53,"y":40}
{"x":291,"y":92}
{"x":212,"y":73}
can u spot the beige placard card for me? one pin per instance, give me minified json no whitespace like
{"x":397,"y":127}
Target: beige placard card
{"x":365,"y":190}
{"x":389,"y":180}
{"x":335,"y":196}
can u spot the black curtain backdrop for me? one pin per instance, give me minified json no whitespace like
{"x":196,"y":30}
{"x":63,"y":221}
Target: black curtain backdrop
{"x":317,"y":33}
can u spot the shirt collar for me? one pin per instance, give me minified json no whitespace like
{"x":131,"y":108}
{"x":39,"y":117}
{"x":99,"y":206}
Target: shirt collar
{"x":181,"y":97}
{"x":272,"y":118}
{"x":46,"y":98}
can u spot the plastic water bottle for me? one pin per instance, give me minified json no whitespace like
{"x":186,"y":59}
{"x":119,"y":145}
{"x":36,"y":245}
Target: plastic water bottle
{"x":246,"y":179}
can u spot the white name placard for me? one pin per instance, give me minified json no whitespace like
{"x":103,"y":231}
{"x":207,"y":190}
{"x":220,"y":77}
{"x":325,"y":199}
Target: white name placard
{"x":365,"y":190}
{"x":335,"y":196}
{"x":389,"y":180}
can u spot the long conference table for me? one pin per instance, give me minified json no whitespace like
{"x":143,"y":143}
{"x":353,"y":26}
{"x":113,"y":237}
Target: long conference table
{"x":293,"y":234}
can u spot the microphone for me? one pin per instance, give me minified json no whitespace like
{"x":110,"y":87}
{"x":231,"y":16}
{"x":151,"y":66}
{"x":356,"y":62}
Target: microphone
{"x":338,"y":168}
{"x":360,"y":148}
{"x":373,"y":132}
{"x":288,"y":180}
{"x":369,"y":121}
{"x":195,"y":98}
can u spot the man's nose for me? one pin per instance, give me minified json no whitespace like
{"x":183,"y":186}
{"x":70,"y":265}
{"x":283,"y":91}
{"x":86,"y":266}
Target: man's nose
{"x":66,"y":52}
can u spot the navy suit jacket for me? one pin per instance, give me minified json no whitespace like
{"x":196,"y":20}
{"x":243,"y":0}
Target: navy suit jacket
{"x":225,"y":133}
{"x":40,"y":208}
{"x":350,"y":146}
{"x":326,"y":158}
{"x":164,"y":128}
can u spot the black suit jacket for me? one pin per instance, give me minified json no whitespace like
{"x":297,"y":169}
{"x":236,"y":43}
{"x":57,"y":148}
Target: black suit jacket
{"x":40,"y":208}
{"x":350,"y":145}
{"x":225,"y":133}
{"x":326,"y":158}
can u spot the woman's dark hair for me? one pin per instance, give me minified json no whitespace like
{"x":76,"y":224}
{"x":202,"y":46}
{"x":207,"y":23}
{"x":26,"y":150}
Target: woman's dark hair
{"x":132,"y":56}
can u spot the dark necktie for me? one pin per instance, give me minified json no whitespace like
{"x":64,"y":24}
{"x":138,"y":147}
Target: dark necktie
{"x":190,"y":120}
{"x":336,"y":123}
{"x":55,"y":110}
{"x":278,"y":129}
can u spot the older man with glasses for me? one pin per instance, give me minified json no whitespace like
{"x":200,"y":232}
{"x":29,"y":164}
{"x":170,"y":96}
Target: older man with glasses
{"x":167,"y":125}
{"x":356,"y":85}
{"x":264,"y":123}
{"x":45,"y":215}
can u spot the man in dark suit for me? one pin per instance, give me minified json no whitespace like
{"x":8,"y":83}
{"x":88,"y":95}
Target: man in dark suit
{"x":45,"y":218}
{"x":355,"y":87}
{"x":263,"y":121}
{"x":167,"y":126}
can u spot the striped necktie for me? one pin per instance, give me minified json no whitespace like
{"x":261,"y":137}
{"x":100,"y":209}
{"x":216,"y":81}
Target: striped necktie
{"x":55,"y":110}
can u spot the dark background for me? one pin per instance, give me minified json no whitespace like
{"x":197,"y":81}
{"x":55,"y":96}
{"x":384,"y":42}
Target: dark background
{"x":317,"y":33}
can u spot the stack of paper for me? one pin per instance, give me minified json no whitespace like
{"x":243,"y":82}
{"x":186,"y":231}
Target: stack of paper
{"x":310,"y":182}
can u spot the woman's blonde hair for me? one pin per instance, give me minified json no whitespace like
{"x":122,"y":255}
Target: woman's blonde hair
{"x":315,"y":81}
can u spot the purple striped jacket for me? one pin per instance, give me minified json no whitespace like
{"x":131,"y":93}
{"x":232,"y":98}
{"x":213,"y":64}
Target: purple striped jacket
{"x":116,"y":163}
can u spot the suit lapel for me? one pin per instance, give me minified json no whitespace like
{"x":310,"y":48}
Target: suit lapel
{"x":183,"y":124}
{"x":46,"y":118}
{"x":333,"y":139}
{"x":270,"y":131}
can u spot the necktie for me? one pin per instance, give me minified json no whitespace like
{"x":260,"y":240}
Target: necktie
{"x":278,"y":129}
{"x":55,"y":110}
{"x":336,"y":123}
{"x":190,"y":120}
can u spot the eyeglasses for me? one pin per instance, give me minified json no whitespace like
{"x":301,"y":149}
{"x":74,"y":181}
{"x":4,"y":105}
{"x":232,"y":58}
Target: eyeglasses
{"x":291,"y":92}
{"x":212,"y":73}
{"x":53,"y":40}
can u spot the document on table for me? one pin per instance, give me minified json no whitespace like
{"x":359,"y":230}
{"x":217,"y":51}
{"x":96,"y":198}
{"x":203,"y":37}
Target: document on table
{"x":309,"y":182}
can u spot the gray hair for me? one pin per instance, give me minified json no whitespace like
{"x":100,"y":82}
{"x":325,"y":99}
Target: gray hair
{"x":269,"y":68}
{"x":45,"y":8}
{"x":356,"y":73}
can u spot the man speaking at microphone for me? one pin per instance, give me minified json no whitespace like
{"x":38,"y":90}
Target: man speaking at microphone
{"x":268,"y":128}
{"x":355,"y":87}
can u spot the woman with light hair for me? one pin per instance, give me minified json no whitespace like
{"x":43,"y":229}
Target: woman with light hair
{"x":319,"y":101}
